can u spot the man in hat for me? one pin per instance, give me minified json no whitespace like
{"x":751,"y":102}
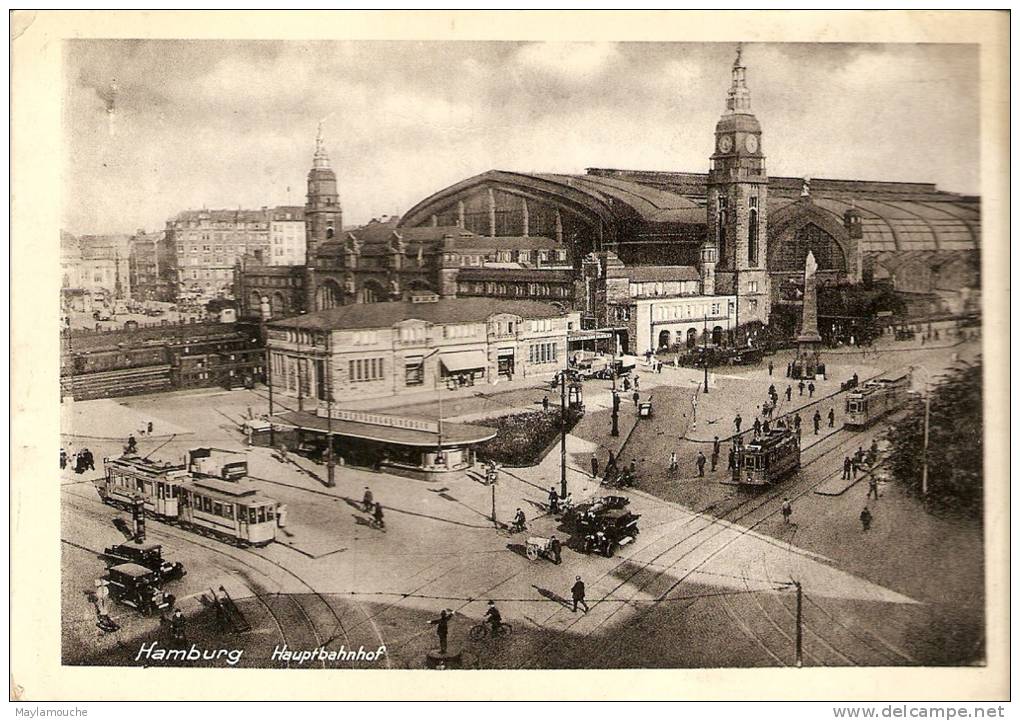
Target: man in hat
{"x":577,"y":594}
{"x":442,"y":628}
{"x":556,"y":548}
{"x":554,"y":501}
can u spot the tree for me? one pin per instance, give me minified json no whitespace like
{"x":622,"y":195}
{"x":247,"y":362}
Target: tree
{"x":955,"y":443}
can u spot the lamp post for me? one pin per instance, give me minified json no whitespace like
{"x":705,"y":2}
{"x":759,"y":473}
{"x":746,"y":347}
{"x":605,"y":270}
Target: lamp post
{"x":330,"y":461}
{"x":927,"y":417}
{"x":563,"y":433}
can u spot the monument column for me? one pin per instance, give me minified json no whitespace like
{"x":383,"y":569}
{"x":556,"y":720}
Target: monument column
{"x":809,"y":342}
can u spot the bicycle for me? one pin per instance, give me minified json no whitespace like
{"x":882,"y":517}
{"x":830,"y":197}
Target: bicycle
{"x":485,"y":630}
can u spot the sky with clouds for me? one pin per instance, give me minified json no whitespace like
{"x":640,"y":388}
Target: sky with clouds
{"x":228,"y":124}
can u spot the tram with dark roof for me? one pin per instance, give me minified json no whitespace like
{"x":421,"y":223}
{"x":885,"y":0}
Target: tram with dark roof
{"x":767,"y":459}
{"x":210,"y":494}
{"x":874,"y":399}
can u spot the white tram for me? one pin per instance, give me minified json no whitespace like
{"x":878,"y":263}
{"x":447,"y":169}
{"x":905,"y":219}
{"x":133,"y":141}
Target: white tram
{"x":210,"y":495}
{"x":767,"y":459}
{"x":875,"y":398}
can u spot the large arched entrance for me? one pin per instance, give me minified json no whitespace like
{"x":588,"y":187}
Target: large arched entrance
{"x":278,"y":305}
{"x":327,"y":295}
{"x":692,"y":337}
{"x":717,"y":335}
{"x":664,"y":339}
{"x":372,"y":292}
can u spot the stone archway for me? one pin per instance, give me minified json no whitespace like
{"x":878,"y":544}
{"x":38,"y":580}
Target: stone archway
{"x":664,"y":339}
{"x":717,"y":332}
{"x":373,"y":292}
{"x":328,"y":295}
{"x":278,"y":305}
{"x":692,"y":337}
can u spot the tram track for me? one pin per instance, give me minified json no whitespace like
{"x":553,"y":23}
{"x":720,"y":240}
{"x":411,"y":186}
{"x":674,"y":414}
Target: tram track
{"x":715,"y":521}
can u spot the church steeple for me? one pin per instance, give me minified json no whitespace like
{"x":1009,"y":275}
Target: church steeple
{"x":321,"y":159}
{"x":738,"y":100}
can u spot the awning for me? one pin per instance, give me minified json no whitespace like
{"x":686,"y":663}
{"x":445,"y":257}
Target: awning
{"x":467,"y":360}
{"x":583,"y":335}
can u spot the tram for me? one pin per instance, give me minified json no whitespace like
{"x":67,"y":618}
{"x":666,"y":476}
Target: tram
{"x":874,"y":399}
{"x":209,"y":494}
{"x":767,"y":459}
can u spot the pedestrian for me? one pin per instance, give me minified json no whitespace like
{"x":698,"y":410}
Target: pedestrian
{"x":866,"y":518}
{"x":853,"y":467}
{"x":556,"y":548}
{"x":636,"y":397}
{"x":789,"y":393}
{"x":731,"y":460}
{"x":846,"y":468}
{"x":611,"y":463}
{"x":90,"y":460}
{"x":177,"y":628}
{"x":770,"y":367}
{"x":787,"y":510}
{"x":632,"y":468}
{"x":800,"y":387}
{"x":811,"y":389}
{"x":577,"y":593}
{"x":520,"y":522}
{"x":673,"y":465}
{"x":756,"y":427}
{"x":716,"y":446}
{"x":636,"y":380}
{"x":63,"y":459}
{"x":832,"y":417}
{"x":737,"y":421}
{"x":149,"y":427}
{"x":132,"y":445}
{"x":626,"y":384}
{"x":789,"y":369}
{"x":554,"y":501}
{"x":595,"y":465}
{"x":765,"y":427}
{"x":873,"y":486}
{"x":701,"y":464}
{"x":545,"y":403}
{"x":817,"y":420}
{"x":796,"y":422}
{"x":442,"y":625}
{"x":379,"y":516}
{"x":715,"y":458}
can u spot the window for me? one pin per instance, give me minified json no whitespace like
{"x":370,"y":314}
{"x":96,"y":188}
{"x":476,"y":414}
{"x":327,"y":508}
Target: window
{"x":721,"y":228}
{"x":752,"y":305}
{"x":752,"y":234}
{"x":752,"y":286}
{"x":716,"y":308}
{"x":365,"y":369}
{"x":228,"y":511}
{"x":414,"y":371}
{"x":218,"y":509}
{"x":622,"y":313}
{"x":542,"y":353}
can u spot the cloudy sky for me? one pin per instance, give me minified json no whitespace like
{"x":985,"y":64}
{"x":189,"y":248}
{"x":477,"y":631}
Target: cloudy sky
{"x":229,"y":124}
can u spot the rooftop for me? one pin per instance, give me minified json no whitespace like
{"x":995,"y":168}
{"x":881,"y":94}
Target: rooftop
{"x":454,"y":434}
{"x":655,"y":273}
{"x":446,"y":311}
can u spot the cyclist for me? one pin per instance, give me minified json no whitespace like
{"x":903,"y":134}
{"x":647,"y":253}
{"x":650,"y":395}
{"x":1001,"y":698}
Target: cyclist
{"x":519,"y":522}
{"x":493,"y":618}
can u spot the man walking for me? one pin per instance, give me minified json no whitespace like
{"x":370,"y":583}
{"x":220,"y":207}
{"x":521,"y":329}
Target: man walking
{"x":545,"y":403}
{"x":731,"y":460}
{"x":770,"y":367}
{"x":554,"y":501}
{"x":872,"y":486}
{"x":577,"y":594}
{"x":846,"y":468}
{"x":716,"y":446}
{"x":737,"y":421}
{"x":756,"y":428}
{"x":595,"y":466}
{"x":866,"y":518}
{"x":811,"y":389}
{"x":715,"y":456}
{"x":636,"y":397}
{"x":787,"y":511}
{"x":800,"y":387}
{"x":556,"y":548}
{"x":701,"y":464}
{"x":832,"y":417}
{"x":789,"y":393}
{"x":817,"y":421}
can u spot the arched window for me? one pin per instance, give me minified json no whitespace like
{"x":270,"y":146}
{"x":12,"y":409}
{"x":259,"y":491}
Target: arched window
{"x":329,"y":232}
{"x":721,"y":229}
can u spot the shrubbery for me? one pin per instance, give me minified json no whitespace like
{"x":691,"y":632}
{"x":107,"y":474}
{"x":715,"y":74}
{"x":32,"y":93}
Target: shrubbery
{"x":522,"y":438}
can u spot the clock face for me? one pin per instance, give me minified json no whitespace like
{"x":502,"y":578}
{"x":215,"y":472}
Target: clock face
{"x":751,"y":143}
{"x":725,"y":143}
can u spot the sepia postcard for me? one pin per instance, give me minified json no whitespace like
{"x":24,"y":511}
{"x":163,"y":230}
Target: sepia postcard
{"x":629,"y":355}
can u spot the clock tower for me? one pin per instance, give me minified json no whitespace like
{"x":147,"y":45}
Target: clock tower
{"x":737,"y":210}
{"x":323,"y":216}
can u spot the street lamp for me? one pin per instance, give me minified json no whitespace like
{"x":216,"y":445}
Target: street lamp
{"x":704,"y":343}
{"x":927,"y":421}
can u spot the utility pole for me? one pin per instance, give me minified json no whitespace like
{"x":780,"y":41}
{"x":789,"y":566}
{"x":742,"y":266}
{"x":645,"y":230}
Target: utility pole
{"x":800,"y":624}
{"x":924,"y":463}
{"x":563,"y":433}
{"x":300,"y":386}
{"x":704,"y":335}
{"x":269,"y":382}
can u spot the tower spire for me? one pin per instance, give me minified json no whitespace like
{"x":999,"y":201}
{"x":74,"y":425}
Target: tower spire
{"x":321,"y":159}
{"x":738,"y":99}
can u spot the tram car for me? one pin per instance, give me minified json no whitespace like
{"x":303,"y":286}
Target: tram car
{"x":767,"y":459}
{"x":156,"y":482}
{"x":874,"y":399}
{"x":209,"y":494}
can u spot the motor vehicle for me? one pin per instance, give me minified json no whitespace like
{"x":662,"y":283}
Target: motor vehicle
{"x":148,"y":555}
{"x":138,"y":587}
{"x":581,"y":514}
{"x":611,"y":530}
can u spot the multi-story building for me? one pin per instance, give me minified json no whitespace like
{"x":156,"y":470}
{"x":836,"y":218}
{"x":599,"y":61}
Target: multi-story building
{"x":146,"y":255}
{"x":206,"y":244}
{"x":94,"y":268}
{"x":287,"y":235}
{"x":385,"y":349}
